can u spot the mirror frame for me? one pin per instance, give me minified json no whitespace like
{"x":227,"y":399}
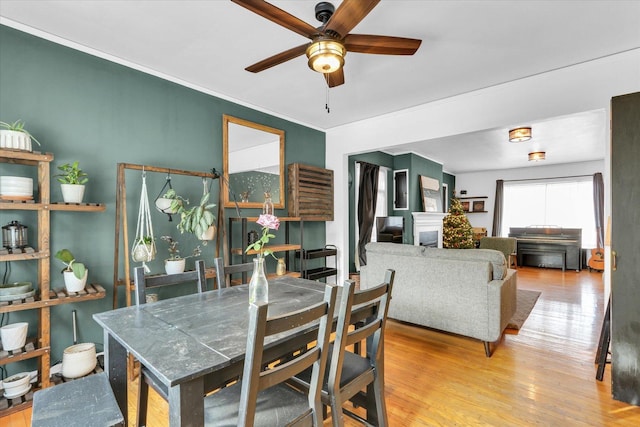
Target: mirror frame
{"x":226,"y":119}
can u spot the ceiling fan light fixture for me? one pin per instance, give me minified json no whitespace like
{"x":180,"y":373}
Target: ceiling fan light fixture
{"x":536,"y":156}
{"x":520,"y":134}
{"x":326,"y":56}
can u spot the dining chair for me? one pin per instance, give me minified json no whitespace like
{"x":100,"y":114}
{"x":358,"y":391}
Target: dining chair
{"x":224,"y":273}
{"x":142,"y":284}
{"x":261,"y":397}
{"x":348,"y":373}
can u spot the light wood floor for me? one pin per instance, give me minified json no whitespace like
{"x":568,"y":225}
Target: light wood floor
{"x":544,"y":375}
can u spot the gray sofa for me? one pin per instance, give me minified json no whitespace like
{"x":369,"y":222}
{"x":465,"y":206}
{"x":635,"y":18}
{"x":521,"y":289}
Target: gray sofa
{"x":464,"y":291}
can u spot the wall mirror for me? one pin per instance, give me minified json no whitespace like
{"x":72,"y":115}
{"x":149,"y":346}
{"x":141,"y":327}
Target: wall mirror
{"x":253,"y":163}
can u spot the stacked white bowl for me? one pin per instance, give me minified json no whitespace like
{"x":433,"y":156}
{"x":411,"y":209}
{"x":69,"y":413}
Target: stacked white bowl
{"x":16,"y":186}
{"x":79,"y":360}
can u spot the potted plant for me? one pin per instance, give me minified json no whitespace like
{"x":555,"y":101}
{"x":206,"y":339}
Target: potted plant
{"x":175,"y":263}
{"x":72,"y":180}
{"x":75,"y":273}
{"x":144,"y":249}
{"x":170,"y":203}
{"x":199,"y":220}
{"x":15,"y":136}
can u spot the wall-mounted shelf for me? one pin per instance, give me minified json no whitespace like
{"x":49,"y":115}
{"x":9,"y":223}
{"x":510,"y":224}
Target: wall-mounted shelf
{"x":473,"y":204}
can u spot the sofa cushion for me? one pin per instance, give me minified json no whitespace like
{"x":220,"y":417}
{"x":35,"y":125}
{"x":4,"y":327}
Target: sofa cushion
{"x":496,"y":258}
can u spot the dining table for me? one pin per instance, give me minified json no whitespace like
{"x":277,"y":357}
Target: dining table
{"x":194,"y":344}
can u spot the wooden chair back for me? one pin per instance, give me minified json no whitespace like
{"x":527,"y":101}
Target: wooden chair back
{"x":224,"y":274}
{"x":255,"y":379}
{"x":143,"y":282}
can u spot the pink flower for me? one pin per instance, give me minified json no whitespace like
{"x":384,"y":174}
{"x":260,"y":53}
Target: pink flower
{"x":269,"y":221}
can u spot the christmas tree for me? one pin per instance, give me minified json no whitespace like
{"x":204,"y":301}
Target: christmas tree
{"x":457,"y":232}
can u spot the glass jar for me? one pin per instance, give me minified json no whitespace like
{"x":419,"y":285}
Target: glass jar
{"x":281,"y":268}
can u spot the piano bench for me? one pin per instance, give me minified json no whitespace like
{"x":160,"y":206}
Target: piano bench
{"x":530,"y":251}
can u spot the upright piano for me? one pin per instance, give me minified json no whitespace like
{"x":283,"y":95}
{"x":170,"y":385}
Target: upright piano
{"x":544,"y":246}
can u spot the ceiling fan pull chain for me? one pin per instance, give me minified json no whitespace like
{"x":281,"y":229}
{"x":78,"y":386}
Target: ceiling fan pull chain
{"x":326,"y":105}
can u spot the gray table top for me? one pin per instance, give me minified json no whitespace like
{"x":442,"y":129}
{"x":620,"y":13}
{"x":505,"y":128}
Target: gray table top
{"x":186,"y":337}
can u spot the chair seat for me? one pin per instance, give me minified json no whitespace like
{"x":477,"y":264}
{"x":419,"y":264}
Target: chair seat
{"x":279,"y":405}
{"x":353,"y":366}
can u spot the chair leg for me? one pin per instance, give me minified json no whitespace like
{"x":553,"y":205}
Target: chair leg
{"x":337,"y":418}
{"x":381,"y":407}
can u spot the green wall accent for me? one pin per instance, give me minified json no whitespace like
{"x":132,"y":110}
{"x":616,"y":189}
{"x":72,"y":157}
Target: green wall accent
{"x":450,"y":180}
{"x":100,"y":113}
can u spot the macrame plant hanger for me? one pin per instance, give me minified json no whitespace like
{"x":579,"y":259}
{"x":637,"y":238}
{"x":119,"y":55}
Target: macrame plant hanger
{"x":144,"y":245}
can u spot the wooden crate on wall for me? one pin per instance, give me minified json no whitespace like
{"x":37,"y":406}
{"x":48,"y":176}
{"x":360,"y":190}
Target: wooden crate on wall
{"x":310,"y":192}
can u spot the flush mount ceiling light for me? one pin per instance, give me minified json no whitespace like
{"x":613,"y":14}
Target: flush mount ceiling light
{"x":537,"y":156}
{"x":326,"y":56}
{"x":520,"y":134}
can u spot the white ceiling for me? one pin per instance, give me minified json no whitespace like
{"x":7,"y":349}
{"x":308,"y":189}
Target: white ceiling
{"x":467,"y":45}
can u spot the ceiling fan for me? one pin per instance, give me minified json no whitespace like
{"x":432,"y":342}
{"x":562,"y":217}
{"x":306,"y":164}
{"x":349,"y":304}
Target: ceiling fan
{"x":331,"y":41}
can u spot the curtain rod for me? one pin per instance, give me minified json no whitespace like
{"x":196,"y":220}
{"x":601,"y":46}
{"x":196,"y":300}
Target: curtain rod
{"x":542,"y":179}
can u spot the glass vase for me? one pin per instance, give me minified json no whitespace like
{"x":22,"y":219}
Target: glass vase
{"x":267,"y":206}
{"x":258,"y":286}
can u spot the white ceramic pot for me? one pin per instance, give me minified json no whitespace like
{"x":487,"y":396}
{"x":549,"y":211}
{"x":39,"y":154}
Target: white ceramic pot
{"x":79,"y":360}
{"x":72,"y":283}
{"x":15,"y":140}
{"x":72,"y":193}
{"x":209,"y":234}
{"x":14,"y":335}
{"x":174,"y":266}
{"x":17,"y":385}
{"x":164,"y":205}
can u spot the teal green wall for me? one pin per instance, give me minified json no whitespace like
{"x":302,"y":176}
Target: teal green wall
{"x":100,"y":113}
{"x":450,"y":180}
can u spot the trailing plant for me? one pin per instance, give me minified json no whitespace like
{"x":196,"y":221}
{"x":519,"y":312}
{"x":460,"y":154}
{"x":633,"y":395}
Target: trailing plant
{"x":70,"y":263}
{"x":177,"y":201}
{"x":18,"y":126}
{"x":197,"y":219}
{"x":72,"y":174}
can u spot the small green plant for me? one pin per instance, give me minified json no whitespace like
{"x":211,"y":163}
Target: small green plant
{"x":177,"y":201}
{"x":197,"y":219}
{"x":174,"y":251}
{"x":70,"y":263}
{"x":72,"y":174}
{"x":18,"y":126}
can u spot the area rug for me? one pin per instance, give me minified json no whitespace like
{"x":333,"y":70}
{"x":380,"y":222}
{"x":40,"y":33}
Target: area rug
{"x":525,"y":300}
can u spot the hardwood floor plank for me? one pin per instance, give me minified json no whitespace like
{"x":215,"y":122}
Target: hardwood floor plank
{"x":541,"y":375}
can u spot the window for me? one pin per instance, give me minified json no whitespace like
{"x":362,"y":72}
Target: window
{"x":566,"y":203}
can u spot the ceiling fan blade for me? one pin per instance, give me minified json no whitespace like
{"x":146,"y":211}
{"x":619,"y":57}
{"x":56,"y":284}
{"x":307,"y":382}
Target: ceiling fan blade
{"x":279,"y":16}
{"x":381,"y":45}
{"x":336,"y":78}
{"x":278,"y":59}
{"x":348,"y":15}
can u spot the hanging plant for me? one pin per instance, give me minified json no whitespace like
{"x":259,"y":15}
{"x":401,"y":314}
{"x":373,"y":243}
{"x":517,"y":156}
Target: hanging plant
{"x":198,"y":219}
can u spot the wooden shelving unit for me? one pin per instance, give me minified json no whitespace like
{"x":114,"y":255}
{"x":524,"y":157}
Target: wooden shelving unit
{"x":40,"y":346}
{"x":286,"y":247}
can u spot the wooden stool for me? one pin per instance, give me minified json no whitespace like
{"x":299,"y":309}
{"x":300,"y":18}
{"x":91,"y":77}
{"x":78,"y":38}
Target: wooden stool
{"x":87,"y":401}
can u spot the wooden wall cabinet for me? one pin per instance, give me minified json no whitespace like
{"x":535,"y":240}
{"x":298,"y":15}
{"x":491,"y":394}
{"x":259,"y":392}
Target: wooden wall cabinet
{"x":310,"y":192}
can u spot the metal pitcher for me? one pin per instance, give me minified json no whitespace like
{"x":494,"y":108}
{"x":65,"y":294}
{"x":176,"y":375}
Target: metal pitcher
{"x":14,"y":235}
